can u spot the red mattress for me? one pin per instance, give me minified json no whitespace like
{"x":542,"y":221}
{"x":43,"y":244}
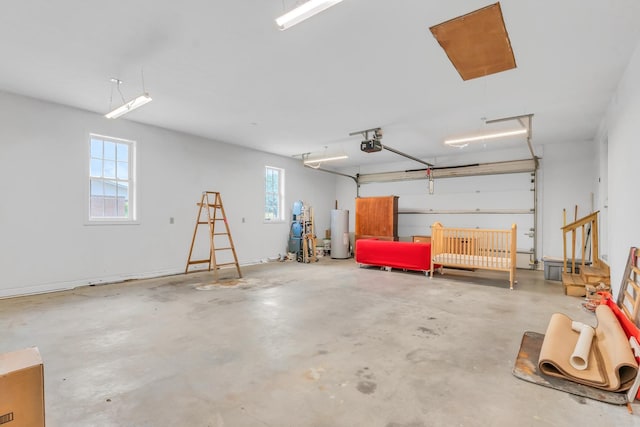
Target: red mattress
{"x":385,"y":253}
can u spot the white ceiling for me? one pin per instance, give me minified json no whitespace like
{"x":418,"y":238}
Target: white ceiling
{"x":222,"y":70}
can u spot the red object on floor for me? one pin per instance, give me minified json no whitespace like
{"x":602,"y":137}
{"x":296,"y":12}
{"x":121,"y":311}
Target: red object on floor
{"x":628,"y":326}
{"x":394,"y":254}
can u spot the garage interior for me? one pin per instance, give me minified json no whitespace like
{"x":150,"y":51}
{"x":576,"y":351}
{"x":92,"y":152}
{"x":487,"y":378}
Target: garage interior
{"x":363,"y":100}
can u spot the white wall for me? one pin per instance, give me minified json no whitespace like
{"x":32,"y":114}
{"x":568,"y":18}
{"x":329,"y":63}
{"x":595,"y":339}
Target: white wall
{"x":568,"y":172}
{"x":602,"y":194}
{"x":45,"y":242}
{"x":623,"y":162}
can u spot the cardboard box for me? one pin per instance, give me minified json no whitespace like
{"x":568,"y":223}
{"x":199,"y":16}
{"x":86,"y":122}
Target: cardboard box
{"x":22,"y":389}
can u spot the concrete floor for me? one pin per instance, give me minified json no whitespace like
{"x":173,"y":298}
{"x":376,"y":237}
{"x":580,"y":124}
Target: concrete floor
{"x":324,"y":344}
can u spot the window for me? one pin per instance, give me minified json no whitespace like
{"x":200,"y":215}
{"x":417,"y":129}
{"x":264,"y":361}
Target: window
{"x":111,"y":179}
{"x":274,"y":194}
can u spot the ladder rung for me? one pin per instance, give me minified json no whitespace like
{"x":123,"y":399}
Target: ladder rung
{"x":223,"y":249}
{"x":226,"y":263}
{"x":199,"y":261}
{"x":203,"y":222}
{"x":220,"y":234}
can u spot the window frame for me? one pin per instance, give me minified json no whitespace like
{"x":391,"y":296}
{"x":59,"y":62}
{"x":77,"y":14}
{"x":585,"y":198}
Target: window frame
{"x":281,"y":201}
{"x":132,"y":213}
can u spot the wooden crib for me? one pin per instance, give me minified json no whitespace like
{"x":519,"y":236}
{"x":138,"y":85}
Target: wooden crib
{"x":474,"y":248}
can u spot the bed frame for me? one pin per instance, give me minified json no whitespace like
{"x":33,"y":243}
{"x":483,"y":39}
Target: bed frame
{"x":473,"y":248}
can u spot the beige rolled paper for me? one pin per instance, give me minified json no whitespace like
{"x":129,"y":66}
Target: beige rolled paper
{"x":580,"y":357}
{"x":612,"y":366}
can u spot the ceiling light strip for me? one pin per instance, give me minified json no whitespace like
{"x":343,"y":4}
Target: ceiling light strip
{"x":129,"y":106}
{"x":304,"y":11}
{"x":486,"y":136}
{"x":324,"y":159}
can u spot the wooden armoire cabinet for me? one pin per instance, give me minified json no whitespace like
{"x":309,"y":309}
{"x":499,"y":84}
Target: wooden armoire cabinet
{"x":377,"y":217}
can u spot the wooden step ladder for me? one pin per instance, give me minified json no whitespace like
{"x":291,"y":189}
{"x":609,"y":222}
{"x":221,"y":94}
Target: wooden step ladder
{"x":211,"y":205}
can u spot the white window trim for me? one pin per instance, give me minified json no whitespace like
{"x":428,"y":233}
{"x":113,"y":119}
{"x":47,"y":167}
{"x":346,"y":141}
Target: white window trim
{"x":281,"y":195}
{"x":133,"y":191}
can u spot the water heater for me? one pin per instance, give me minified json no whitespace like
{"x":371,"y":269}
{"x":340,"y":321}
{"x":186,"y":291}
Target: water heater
{"x":339,"y":233}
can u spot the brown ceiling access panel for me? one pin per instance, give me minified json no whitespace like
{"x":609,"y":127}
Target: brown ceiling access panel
{"x":477,"y":43}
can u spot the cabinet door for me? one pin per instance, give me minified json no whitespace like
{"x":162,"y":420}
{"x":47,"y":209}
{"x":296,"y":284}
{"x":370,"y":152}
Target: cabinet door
{"x":377,"y":216}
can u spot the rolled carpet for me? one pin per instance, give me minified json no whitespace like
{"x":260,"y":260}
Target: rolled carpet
{"x":611,"y":365}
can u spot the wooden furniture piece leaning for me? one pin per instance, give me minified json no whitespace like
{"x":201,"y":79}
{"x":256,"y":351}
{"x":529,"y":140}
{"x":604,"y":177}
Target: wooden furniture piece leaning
{"x":473,"y":248}
{"x":629,"y":293}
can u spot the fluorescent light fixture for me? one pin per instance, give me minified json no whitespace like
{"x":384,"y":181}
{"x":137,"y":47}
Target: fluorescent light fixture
{"x":304,"y":11}
{"x":485,"y":136}
{"x":324,"y":159}
{"x":129,"y":106}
